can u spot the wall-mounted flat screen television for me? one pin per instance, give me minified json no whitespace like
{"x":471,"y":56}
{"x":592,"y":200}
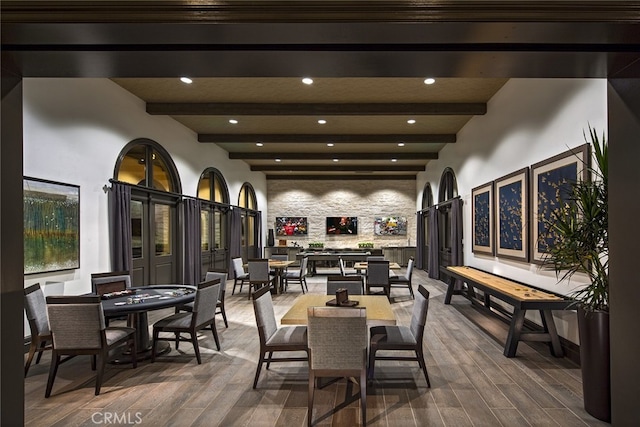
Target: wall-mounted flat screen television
{"x":390,"y":226}
{"x":342,"y":225}
{"x":291,"y":225}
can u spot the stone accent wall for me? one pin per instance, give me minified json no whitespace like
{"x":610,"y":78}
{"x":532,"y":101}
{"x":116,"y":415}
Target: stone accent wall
{"x":364,"y":199}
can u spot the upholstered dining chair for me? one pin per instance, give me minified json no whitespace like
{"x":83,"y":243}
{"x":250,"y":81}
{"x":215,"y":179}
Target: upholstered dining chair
{"x":375,"y":258}
{"x":201,"y":316}
{"x":78,"y":328}
{"x":35,"y":307}
{"x":104,"y":283}
{"x":298,"y":275}
{"x":405,"y":280}
{"x":337,"y":348}
{"x":353,"y":284}
{"x":378,"y":276}
{"x":274,"y":338}
{"x":212,"y":275}
{"x":239,"y":275}
{"x":402,"y":338}
{"x":259,"y":274}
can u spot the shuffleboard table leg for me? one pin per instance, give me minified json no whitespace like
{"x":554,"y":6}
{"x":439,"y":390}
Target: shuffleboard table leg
{"x":550,"y":327}
{"x":517,"y":321}
{"x":452,"y":284}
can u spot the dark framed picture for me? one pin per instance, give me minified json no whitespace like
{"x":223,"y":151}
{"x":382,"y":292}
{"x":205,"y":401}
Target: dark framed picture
{"x":512,"y":210}
{"x":291,"y":225}
{"x":482,"y":219}
{"x":551,"y":182}
{"x":390,"y":226}
{"x":51,"y":225}
{"x":342,"y":225}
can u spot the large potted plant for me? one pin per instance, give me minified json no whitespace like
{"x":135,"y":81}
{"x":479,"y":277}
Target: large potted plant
{"x":579,"y":231}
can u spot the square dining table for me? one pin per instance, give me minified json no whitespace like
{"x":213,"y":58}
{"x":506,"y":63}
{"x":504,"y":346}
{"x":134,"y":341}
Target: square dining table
{"x":379,"y":310}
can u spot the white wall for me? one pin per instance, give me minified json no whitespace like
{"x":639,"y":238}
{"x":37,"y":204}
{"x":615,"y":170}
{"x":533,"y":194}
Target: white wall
{"x":527,"y":121}
{"x":74,"y":130}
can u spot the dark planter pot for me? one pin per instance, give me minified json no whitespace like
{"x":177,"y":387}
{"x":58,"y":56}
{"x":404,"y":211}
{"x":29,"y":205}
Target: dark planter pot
{"x":271,"y":241}
{"x":593,"y":327}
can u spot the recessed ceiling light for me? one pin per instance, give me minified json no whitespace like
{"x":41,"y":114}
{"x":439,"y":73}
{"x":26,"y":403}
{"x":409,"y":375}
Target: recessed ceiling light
{"x":233,"y":121}
{"x":322,"y":121}
{"x":186,"y":80}
{"x":307,"y":81}
{"x":330,"y":144}
{"x":336,"y":160}
{"x":394,"y":160}
{"x":400,"y":144}
{"x":411,"y":121}
{"x":429,"y":81}
{"x":278,"y":160}
{"x":259,"y":144}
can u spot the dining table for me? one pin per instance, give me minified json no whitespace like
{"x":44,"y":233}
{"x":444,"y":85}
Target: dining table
{"x":359,"y":266}
{"x":137,"y":302}
{"x":378,"y":307}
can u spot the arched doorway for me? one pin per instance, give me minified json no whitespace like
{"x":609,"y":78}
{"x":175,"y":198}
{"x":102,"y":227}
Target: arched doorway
{"x":214,"y":193}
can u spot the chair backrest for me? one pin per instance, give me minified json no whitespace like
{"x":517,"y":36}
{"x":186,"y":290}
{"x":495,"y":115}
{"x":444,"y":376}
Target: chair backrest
{"x":238,"y":267}
{"x":218,"y":274}
{"x":77,"y":322}
{"x":102,"y":283}
{"x":342,"y":267}
{"x":303,"y":266}
{"x":35,"y":307}
{"x":280,"y":257}
{"x":204,"y":305}
{"x":409,"y":272}
{"x":265,"y":317}
{"x":419,"y":313}
{"x":377,"y":273}
{"x":337,"y":337}
{"x":353,"y":284}
{"x":258,"y":270}
{"x":375,"y":258}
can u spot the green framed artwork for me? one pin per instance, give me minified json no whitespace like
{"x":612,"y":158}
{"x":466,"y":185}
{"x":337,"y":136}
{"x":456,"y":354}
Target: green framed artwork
{"x":51,"y":225}
{"x":512,"y":210}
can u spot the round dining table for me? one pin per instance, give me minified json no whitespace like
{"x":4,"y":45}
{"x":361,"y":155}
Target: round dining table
{"x":137,"y":302}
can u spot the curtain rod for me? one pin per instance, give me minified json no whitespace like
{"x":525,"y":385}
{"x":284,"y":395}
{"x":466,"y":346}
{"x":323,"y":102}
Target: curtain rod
{"x":440,"y":205}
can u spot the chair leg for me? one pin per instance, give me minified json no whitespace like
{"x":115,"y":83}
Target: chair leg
{"x":411,"y":291}
{"x":214,"y":330}
{"x":32,"y":352}
{"x":43,"y":344}
{"x":372,"y":361}
{"x":53,"y":370}
{"x":312,"y":389}
{"x":269,"y":359}
{"x":177,"y":339}
{"x":100,"y":375}
{"x":420,"y":357}
{"x":154,"y":341}
{"x":196,"y":347}
{"x":259,"y":368}
{"x":363,"y":395}
{"x":224,"y":315}
{"x":93,"y":362}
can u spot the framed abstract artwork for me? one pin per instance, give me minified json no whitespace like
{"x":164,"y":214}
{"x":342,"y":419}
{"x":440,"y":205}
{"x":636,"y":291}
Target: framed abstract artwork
{"x":551,"y":182}
{"x":512,"y":210}
{"x":51,"y":226}
{"x":482,"y":219}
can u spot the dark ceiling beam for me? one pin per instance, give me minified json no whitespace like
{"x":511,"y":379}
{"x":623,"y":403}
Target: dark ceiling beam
{"x":315,"y":168}
{"x":314,"y":109}
{"x":360,"y":177}
{"x":324,"y":138}
{"x":330,"y":156}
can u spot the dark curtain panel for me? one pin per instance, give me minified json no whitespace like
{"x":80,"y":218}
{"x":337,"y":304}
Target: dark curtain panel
{"x":433,"y":266}
{"x":120,"y":227}
{"x":420,"y":243}
{"x":191,"y":273}
{"x":456,"y":236}
{"x":235,"y":236}
{"x":259,"y":228}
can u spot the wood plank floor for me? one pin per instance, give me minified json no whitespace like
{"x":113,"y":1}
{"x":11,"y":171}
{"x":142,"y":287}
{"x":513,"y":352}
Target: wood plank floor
{"x":472,"y":383}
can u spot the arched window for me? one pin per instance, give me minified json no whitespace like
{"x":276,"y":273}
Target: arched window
{"x":133,"y":166}
{"x":448,"y":186}
{"x":247,"y":197}
{"x":213,"y":187}
{"x":427,"y":196}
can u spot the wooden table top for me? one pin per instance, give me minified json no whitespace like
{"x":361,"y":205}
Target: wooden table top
{"x":363,"y":266}
{"x":276,"y":263}
{"x":514,"y":289}
{"x":379,"y":310}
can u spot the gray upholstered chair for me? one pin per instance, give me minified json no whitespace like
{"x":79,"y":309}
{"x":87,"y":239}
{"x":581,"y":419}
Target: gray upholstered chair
{"x":104,"y":283}
{"x":35,"y":307}
{"x":378,"y":276}
{"x":212,"y":275}
{"x":402,"y":338}
{"x":344,"y":270}
{"x":375,"y":258}
{"x":78,"y":327}
{"x":337,"y":348}
{"x":259,"y":274}
{"x":203,"y":315}
{"x":353,"y":284}
{"x":274,"y":338}
{"x":298,"y":275}
{"x":405,"y":280}
{"x":239,"y":275}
